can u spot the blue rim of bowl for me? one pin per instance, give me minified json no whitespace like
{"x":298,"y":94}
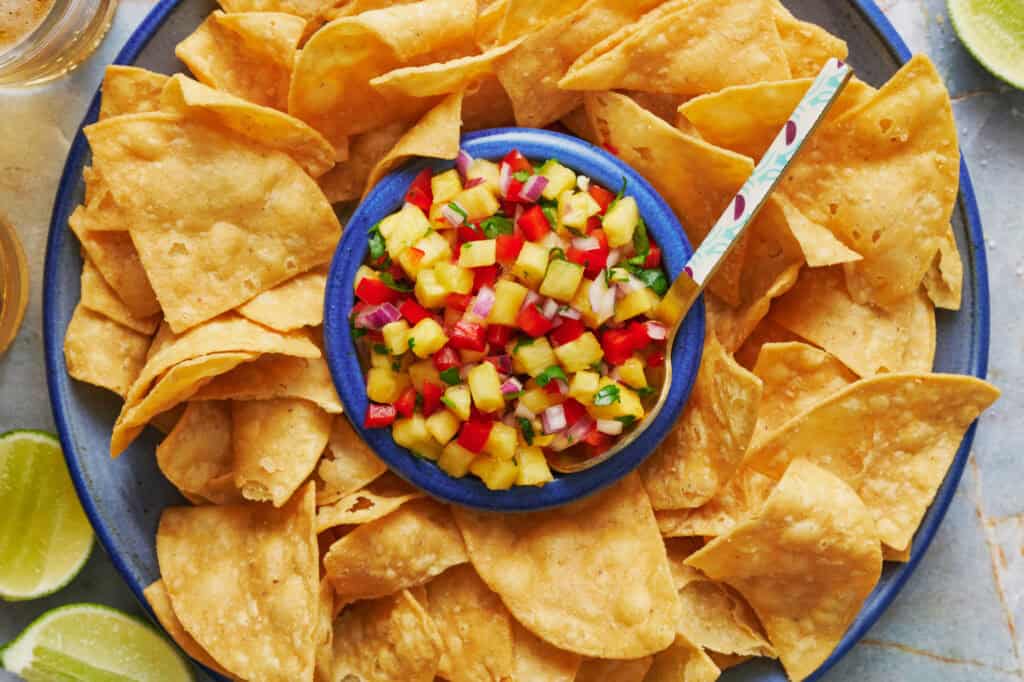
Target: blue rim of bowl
{"x":53,"y":337}
{"x":386,"y":198}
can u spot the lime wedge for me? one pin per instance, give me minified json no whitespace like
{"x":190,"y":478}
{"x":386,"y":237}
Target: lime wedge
{"x":92,"y":643}
{"x":993,"y":31}
{"x":45,"y":537}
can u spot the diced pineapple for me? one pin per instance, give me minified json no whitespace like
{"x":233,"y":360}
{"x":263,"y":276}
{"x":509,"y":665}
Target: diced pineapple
{"x":620,"y":221}
{"x":412,"y":433}
{"x":581,"y":302}
{"x":478,"y":202}
{"x":559,"y":178}
{"x":380,"y":360}
{"x":497,"y":474}
{"x":489,"y":171}
{"x":363,"y":272}
{"x":471,"y":357}
{"x":580,"y":354}
{"x":542,"y":440}
{"x":411,"y":260}
{"x":485,"y":385}
{"x":637,"y":302}
{"x":533,"y":467}
{"x":508,"y":299}
{"x":423,"y":371}
{"x":455,"y":460}
{"x":478,"y":254}
{"x":533,"y":358}
{"x":432,"y":248}
{"x":443,"y":425}
{"x":502,"y":441}
{"x":427,"y":337}
{"x":437,"y":219}
{"x":626,"y":403}
{"x":403,"y":229}
{"x":531,"y":264}
{"x":429,"y":291}
{"x":444,"y":186}
{"x":396,"y":337}
{"x":562,"y":280}
{"x":384,"y":385}
{"x":453,"y":278}
{"x":631,"y":372}
{"x":458,"y":399}
{"x":576,"y":208}
{"x":583,"y":386}
{"x":537,"y":400}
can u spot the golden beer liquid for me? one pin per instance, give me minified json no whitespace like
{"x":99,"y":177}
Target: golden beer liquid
{"x":13,"y":284}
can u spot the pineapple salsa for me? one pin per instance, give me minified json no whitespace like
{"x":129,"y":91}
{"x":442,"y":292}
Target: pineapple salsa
{"x":503,"y":312}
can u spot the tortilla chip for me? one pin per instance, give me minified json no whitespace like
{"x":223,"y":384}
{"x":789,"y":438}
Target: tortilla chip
{"x":386,"y":640}
{"x":259,"y":125}
{"x":440,"y":78}
{"x":324,"y":667}
{"x":682,"y":661}
{"x":676,"y":165}
{"x":944,"y":281}
{"x":299,"y":302}
{"x":795,"y":378}
{"x":331,"y":82}
{"x":766,"y":331}
{"x":891,"y":438}
{"x":527,"y":16}
{"x":130,"y":90}
{"x":664,"y":105}
{"x":535,"y":659}
{"x":726,"y":661}
{"x":866,"y":339}
{"x":820,"y":247}
{"x":300,"y":8}
{"x":160,"y":602}
{"x":745,"y":491}
{"x":406,"y":548}
{"x":485,"y":104}
{"x":706,"y":446}
{"x":475,"y":627}
{"x":276,"y":376}
{"x":243,"y":581}
{"x":277,"y":444}
{"x":686,"y":47}
{"x":350,"y":466}
{"x":603,"y":670}
{"x":621,"y":604}
{"x":377,"y":500}
{"x":103,"y":353}
{"x":901,"y":556}
{"x":347,"y":180}
{"x":805,"y":561}
{"x":807,"y":46}
{"x":196,"y":456}
{"x":182,"y":185}
{"x":98,"y":297}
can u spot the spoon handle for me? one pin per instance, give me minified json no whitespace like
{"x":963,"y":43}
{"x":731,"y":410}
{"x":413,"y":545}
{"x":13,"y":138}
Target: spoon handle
{"x":744,"y":207}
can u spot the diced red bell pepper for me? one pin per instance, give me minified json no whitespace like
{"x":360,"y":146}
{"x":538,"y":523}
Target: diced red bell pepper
{"x":508,"y":247}
{"x":638,"y":330}
{"x":602,"y":196}
{"x":458,"y":301}
{"x":617,"y":345}
{"x":419,"y":193}
{"x":593,"y":223}
{"x":552,"y":387}
{"x":378,"y":416}
{"x":446,"y":358}
{"x":397,"y":273}
{"x":574,"y":411}
{"x":597,"y":442}
{"x":517,"y":162}
{"x":653,"y":257}
{"x":406,"y":403}
{"x":592,"y":260}
{"x":413,"y":311}
{"x":468,"y":336}
{"x":498,"y":335}
{"x":534,"y":223}
{"x":431,"y":397}
{"x":414,"y":257}
{"x":514,"y":191}
{"x":656,"y":359}
{"x":508,"y":207}
{"x":375,"y":292}
{"x":470,"y":233}
{"x":485,"y":276}
{"x":474,"y":434}
{"x":532,"y":322}
{"x":568,"y":331}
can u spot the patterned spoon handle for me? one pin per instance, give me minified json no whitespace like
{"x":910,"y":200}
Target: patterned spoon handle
{"x":744,"y":207}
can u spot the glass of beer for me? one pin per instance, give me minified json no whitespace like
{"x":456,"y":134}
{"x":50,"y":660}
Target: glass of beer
{"x":13,"y":284}
{"x":43,"y":39}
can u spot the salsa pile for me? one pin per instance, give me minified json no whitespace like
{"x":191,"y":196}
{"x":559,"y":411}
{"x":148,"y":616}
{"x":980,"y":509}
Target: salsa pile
{"x":506,"y":311}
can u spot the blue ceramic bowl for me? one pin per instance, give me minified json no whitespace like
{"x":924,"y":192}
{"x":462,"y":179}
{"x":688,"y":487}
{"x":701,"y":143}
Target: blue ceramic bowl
{"x":386,"y":198}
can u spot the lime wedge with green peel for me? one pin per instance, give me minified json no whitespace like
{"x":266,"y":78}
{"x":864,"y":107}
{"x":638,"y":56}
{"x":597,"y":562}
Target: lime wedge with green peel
{"x":92,"y":643}
{"x":993,"y":31}
{"x":45,"y":536}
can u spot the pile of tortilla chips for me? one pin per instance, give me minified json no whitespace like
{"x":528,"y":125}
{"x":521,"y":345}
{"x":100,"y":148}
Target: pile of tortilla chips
{"x":815,"y":438}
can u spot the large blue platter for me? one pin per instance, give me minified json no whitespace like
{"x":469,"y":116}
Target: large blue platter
{"x":124,"y":497}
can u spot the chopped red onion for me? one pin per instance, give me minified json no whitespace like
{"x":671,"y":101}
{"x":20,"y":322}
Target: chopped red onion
{"x":580,"y":430}
{"x":504,"y":179}
{"x":511,"y":386}
{"x":531,"y":298}
{"x":375,"y":317}
{"x":463,"y":162}
{"x":524,"y":411}
{"x":558,"y":321}
{"x":553,"y":419}
{"x":614,"y":256}
{"x":502,"y":363}
{"x":484,"y":301}
{"x":533,"y":187}
{"x":474,"y":182}
{"x":451,"y":215}
{"x":582,"y":182}
{"x":602,"y":298}
{"x":586,"y":243}
{"x":612,"y":427}
{"x":569,"y":313}
{"x":656,"y":331}
{"x":550,"y":308}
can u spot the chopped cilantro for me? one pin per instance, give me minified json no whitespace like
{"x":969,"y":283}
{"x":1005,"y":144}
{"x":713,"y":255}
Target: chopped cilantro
{"x":527,"y":428}
{"x":357,"y":332}
{"x":597,"y":367}
{"x":521,"y":176}
{"x":396,"y":366}
{"x":380,"y":349}
{"x":412,"y":343}
{"x":550,"y":210}
{"x":641,"y":242}
{"x":522,"y":341}
{"x":607,"y":395}
{"x":653,"y":278}
{"x":645,"y":391}
{"x":496,"y":225}
{"x":378,"y":247}
{"x":551,"y":373}
{"x":557,"y":253}
{"x":389,"y":280}
{"x":448,"y":402}
{"x":458,"y":209}
{"x":451,"y":376}
{"x":626,"y":419}
{"x":622,"y":193}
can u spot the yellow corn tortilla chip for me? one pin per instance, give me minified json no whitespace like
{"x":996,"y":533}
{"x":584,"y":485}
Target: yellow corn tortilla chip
{"x":682,"y":661}
{"x":891,"y":438}
{"x":726,"y":661}
{"x":675,"y":164}
{"x":350,"y":465}
{"x":192,"y":191}
{"x":805,"y":561}
{"x":196,"y":456}
{"x":299,"y":302}
{"x":766,"y":331}
{"x":243,"y":581}
{"x":664,"y":105}
{"x":475,"y":627}
{"x":526,"y":16}
{"x":602,"y":670}
{"x":795,"y":377}
{"x":347,"y":180}
{"x":807,"y":46}
{"x":377,"y":500}
{"x":160,"y":602}
{"x":276,"y":376}
{"x":331,"y":82}
{"x":866,"y":339}
{"x":622,"y":604}
{"x":820,"y":247}
{"x":944,"y":281}
{"x":898,"y":555}
{"x":406,"y":548}
{"x":103,"y":353}
{"x":165,"y":421}
{"x":706,"y":446}
{"x":98,"y":297}
{"x":323,"y":670}
{"x":744,"y":492}
{"x":440,"y":78}
{"x":248,"y":54}
{"x":300,"y":8}
{"x":485,"y":104}
{"x":686,"y":47}
{"x":386,"y":640}
{"x":277,"y":444}
{"x":130,"y":90}
{"x":535,"y":659}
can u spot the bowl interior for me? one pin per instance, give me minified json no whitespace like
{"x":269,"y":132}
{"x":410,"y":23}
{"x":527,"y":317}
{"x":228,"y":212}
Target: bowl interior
{"x":386,"y":198}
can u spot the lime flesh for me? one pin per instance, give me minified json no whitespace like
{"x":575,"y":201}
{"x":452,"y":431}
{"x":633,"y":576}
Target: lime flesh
{"x":92,"y":643}
{"x":993,"y":31}
{"x":45,"y":536}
